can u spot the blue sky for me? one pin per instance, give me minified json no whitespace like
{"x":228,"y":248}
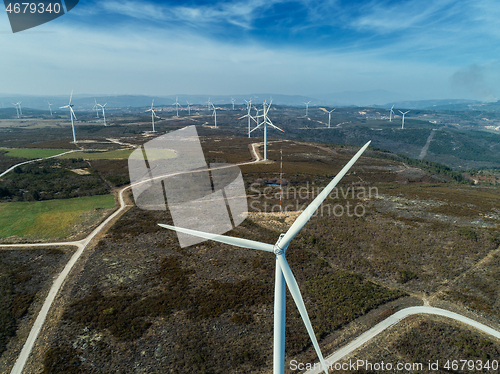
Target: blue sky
{"x":423,"y":49}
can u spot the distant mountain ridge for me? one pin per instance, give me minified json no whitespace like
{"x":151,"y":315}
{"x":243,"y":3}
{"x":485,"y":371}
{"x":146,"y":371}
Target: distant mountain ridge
{"x":374,"y":98}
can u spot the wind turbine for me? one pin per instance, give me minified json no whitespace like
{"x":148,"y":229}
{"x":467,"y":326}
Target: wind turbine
{"x":403,"y":123}
{"x":189,"y":108}
{"x":390,"y":114}
{"x":153,"y":114}
{"x":249,"y":108}
{"x":71,"y":115}
{"x":103,"y":113}
{"x":96,"y":108}
{"x":283,"y":274}
{"x":330,"y":117}
{"x":208,"y":104}
{"x":266,"y":122}
{"x":307,"y":106}
{"x":50,"y":108}
{"x":17,"y":108}
{"x":215,"y":115}
{"x":232,"y":101}
{"x":177,"y":105}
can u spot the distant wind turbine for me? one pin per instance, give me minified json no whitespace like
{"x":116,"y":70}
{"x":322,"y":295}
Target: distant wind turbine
{"x":214,"y":113}
{"x":265,"y":122}
{"x":403,"y":123}
{"x":103,"y":113}
{"x":177,"y":105}
{"x":153,"y":114}
{"x":96,"y":108}
{"x":50,"y":108}
{"x":390,"y":114}
{"x":249,"y":108}
{"x":208,"y":104}
{"x":283,"y":274}
{"x":17,"y":108}
{"x":330,"y":117}
{"x":71,"y":115}
{"x":189,"y":108}
{"x":232,"y":101}
{"x":307,"y":106}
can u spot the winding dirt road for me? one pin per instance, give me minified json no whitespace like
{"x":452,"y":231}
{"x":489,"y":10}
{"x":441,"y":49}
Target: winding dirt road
{"x":392,"y":320}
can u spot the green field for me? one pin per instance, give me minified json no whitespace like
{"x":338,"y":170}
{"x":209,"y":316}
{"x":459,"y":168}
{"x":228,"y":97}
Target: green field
{"x":52,"y":219}
{"x":32,"y":152}
{"x":117,"y":154}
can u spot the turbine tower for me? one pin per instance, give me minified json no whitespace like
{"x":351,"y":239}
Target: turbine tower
{"x":330,"y":117}
{"x":214,"y":113}
{"x":103,"y":113}
{"x":96,"y":108}
{"x":71,"y":115}
{"x":17,"y":108}
{"x":390,"y":114}
{"x":249,"y":108}
{"x":177,"y":105}
{"x":189,"y":108}
{"x":283,"y":274}
{"x":153,"y":114}
{"x":232,"y":101}
{"x":403,"y":123}
{"x":266,"y":122}
{"x":307,"y":106}
{"x":50,"y":108}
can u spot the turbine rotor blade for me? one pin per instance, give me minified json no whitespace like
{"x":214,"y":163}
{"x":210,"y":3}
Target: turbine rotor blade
{"x":276,"y":127}
{"x":72,"y":112}
{"x":309,"y":211}
{"x":255,"y":128}
{"x":238,"y":242}
{"x":70,"y":97}
{"x":297,"y":297}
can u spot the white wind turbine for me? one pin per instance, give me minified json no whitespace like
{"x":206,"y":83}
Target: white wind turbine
{"x":403,"y":122}
{"x":232,"y":101}
{"x":249,"y":108}
{"x":50,"y":108}
{"x":103,"y":113}
{"x":307,"y":106}
{"x":71,"y":115}
{"x":153,"y":114}
{"x":266,"y":122}
{"x":330,"y":117}
{"x":283,"y":274}
{"x":189,"y":108}
{"x":214,"y":113}
{"x":390,"y":114}
{"x":96,"y":108}
{"x":17,"y":105}
{"x":208,"y":104}
{"x":177,"y":105}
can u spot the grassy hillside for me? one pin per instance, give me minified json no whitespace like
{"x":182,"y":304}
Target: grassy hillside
{"x":31,"y":152}
{"x":53,"y":219}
